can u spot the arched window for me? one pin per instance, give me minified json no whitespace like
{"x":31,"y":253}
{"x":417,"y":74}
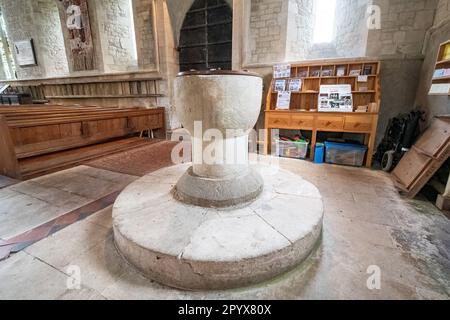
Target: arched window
{"x":206,"y":36}
{"x":325,"y":11}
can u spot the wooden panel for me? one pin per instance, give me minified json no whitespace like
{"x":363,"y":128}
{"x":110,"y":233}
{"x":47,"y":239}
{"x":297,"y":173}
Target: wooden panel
{"x":358,"y":123}
{"x":282,"y":121}
{"x":331,"y":123}
{"x":435,"y":138}
{"x":408,"y":168}
{"x":29,"y":141}
{"x":145,"y":122}
{"x":70,"y":129}
{"x":9,"y":165}
{"x":35,"y":136}
{"x":36,"y":166}
{"x":79,"y":38}
{"x":301,"y":121}
{"x":107,"y":128}
{"x":430,"y":171}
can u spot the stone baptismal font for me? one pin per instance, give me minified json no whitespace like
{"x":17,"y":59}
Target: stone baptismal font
{"x":218,"y":222}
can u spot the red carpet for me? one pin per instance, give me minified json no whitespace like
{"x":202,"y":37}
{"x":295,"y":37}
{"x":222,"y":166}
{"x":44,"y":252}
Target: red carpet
{"x":139,"y":161}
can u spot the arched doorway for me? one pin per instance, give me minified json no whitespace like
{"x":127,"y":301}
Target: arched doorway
{"x":206,"y":36}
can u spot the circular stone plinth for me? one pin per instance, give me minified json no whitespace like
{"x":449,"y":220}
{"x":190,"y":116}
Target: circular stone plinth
{"x":218,"y":193}
{"x":199,"y":248}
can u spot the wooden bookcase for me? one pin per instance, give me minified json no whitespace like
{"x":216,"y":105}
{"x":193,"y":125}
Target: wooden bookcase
{"x":303,"y":111}
{"x":442,"y":62}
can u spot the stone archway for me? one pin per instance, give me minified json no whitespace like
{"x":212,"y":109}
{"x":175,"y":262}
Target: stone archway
{"x":206,"y":36}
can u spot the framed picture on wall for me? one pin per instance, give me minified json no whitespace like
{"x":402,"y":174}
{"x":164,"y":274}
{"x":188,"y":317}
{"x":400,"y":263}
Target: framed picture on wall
{"x":24,"y":51}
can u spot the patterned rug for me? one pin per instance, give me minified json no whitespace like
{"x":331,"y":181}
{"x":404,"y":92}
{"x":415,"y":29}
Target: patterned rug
{"x":138,"y":161}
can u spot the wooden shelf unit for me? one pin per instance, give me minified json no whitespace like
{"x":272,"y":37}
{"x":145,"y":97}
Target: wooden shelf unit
{"x":441,"y":63}
{"x":303,"y":111}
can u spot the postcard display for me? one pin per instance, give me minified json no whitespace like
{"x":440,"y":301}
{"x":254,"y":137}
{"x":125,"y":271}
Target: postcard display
{"x":336,"y":98}
{"x":440,"y":83}
{"x":285,"y":86}
{"x":325,"y":96}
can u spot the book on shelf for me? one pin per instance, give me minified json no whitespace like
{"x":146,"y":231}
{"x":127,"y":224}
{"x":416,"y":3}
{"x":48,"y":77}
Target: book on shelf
{"x":362,"y":108}
{"x":279,"y":85}
{"x":340,"y":71}
{"x":446,"y":54}
{"x":295,"y":85}
{"x":281,"y":71}
{"x":355,"y":72}
{"x":363,"y":78}
{"x":303,"y":74}
{"x":439,"y":73}
{"x":367,"y":71}
{"x":284,"y":100}
{"x":440,"y":88}
{"x":327,"y":73}
{"x":363,"y":88}
{"x":315,"y":73}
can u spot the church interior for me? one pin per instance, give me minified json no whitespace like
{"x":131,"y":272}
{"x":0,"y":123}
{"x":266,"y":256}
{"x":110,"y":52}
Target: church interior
{"x":225,"y":149}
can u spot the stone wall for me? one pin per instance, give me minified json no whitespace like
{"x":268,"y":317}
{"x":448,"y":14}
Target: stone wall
{"x":300,"y":29}
{"x":399,"y":44}
{"x":38,"y":20}
{"x":434,"y":105}
{"x":351,"y":27}
{"x":322,"y":51}
{"x":442,"y":12}
{"x":145,"y":38}
{"x":50,"y":38}
{"x":403,"y":28}
{"x":267,"y":34}
{"x":116,"y":35}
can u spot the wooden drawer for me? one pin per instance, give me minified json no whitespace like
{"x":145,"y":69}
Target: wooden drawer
{"x":303,"y":122}
{"x":279,"y":121}
{"x":332,"y":123}
{"x":358,"y":123}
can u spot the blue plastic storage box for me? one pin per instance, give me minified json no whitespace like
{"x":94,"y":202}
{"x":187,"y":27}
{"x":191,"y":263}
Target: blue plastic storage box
{"x":345,"y":153}
{"x":319,"y":152}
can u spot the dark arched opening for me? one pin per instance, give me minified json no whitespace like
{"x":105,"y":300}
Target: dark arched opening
{"x":206,"y":36}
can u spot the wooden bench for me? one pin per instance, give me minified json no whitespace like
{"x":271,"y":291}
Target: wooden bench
{"x":36,"y":140}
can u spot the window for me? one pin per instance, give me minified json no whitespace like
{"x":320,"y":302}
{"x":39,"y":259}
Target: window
{"x":7,"y":67}
{"x":206,"y":36}
{"x":325,"y":11}
{"x":133,"y":32}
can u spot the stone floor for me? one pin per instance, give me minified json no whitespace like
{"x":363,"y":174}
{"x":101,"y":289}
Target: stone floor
{"x":366,"y":224}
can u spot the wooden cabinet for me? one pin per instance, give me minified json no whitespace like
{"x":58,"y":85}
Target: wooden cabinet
{"x":358,"y":123}
{"x":306,"y":122}
{"x":330,"y":123}
{"x":303,"y":114}
{"x":364,"y":123}
{"x":441,"y":79}
{"x":282,"y":121}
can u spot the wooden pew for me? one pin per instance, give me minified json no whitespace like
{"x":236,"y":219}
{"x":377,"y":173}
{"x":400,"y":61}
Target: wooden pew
{"x":34,"y":141}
